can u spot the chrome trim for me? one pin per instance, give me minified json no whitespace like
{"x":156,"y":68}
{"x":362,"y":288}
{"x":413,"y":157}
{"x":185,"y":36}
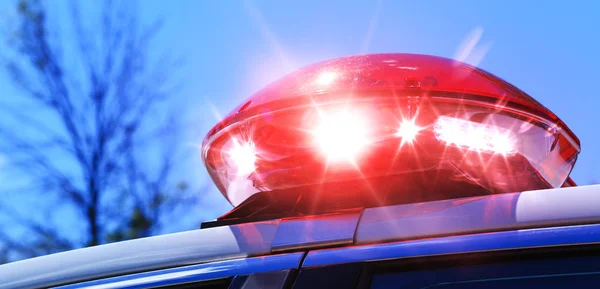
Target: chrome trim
{"x":581,"y":204}
{"x":196,"y":273}
{"x":424,"y":220}
{"x":509,"y":240}
{"x":544,"y":208}
{"x":318,"y":231}
{"x":179,"y":249}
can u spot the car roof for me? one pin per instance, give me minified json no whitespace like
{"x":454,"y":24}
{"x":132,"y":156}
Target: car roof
{"x":503,"y":212}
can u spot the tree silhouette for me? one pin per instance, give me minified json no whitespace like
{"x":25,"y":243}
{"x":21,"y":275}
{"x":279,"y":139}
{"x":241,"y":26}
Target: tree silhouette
{"x":87,"y":129}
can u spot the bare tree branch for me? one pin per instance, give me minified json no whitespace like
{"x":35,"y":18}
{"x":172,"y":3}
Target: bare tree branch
{"x":106,"y":134}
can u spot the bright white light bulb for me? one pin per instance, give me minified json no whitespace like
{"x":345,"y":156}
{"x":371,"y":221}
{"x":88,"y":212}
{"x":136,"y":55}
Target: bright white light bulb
{"x":408,"y":131}
{"x":243,"y":156}
{"x":341,"y":135}
{"x":503,"y":143}
{"x":475,"y":136}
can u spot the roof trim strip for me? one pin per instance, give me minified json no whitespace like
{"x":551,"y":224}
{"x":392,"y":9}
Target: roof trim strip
{"x":196,"y":273}
{"x":519,"y":239}
{"x":532,"y":209}
{"x":165,"y":251}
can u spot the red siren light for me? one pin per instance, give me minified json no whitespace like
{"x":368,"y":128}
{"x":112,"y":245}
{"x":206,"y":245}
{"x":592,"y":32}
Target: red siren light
{"x":388,"y":125}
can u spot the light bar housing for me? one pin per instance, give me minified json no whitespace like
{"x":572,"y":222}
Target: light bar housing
{"x":379,"y":123}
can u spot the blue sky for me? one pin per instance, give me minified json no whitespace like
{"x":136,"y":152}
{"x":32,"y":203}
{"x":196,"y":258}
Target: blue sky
{"x":549,"y":49}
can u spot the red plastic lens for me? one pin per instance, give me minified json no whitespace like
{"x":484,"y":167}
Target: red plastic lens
{"x":347,"y":120}
{"x":475,"y":136}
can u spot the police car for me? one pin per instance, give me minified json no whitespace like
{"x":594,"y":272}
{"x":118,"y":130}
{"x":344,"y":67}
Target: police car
{"x":370,"y":171}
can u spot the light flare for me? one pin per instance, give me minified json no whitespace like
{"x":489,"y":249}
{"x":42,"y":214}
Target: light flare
{"x":326,"y":78}
{"x":475,"y":136}
{"x":243,"y":155}
{"x":341,"y":135}
{"x":408,"y":131}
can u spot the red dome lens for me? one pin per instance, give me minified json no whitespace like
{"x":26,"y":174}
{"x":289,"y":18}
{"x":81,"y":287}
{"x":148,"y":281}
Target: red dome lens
{"x":388,"y":117}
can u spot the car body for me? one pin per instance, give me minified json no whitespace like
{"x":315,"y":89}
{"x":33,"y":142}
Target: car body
{"x":547,"y":237}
